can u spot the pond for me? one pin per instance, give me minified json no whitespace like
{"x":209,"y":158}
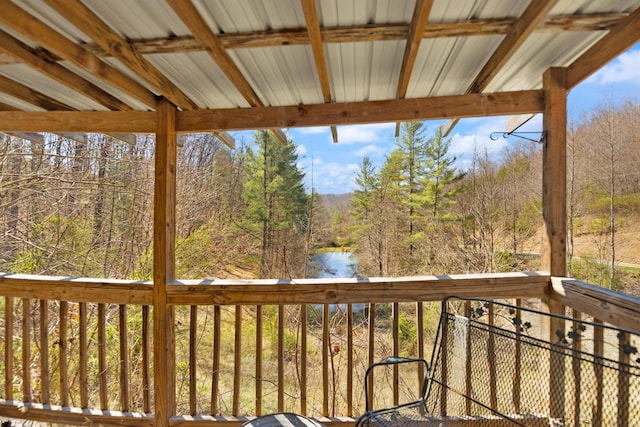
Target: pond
{"x":335,"y":264}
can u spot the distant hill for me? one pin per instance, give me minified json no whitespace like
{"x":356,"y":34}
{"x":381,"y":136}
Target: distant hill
{"x":341,"y":201}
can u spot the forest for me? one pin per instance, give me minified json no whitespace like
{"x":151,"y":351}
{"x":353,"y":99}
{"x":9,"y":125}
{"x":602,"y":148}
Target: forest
{"x":83,"y":207}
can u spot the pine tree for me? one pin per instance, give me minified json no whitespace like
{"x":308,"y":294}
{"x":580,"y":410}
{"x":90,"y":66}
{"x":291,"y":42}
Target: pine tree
{"x":276,"y":204}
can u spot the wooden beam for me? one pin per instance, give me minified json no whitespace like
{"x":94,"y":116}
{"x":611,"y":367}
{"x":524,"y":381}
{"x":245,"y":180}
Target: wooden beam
{"x":448,"y":126}
{"x":416,"y":33}
{"x":280,"y":135}
{"x":368,"y":32}
{"x":554,"y":173}
{"x":6,"y":107}
{"x":89,"y":23}
{"x":472,"y":105}
{"x":353,"y":290}
{"x":106,"y":291}
{"x":78,"y":121}
{"x":227,"y":139}
{"x":397,"y":110}
{"x":315,"y":37}
{"x":189,"y":15}
{"x":126,"y":138}
{"x":164,"y":262}
{"x":31,"y":96}
{"x":29,"y":56}
{"x":24,"y":23}
{"x":516,"y":36}
{"x":620,"y":38}
{"x":616,"y":308}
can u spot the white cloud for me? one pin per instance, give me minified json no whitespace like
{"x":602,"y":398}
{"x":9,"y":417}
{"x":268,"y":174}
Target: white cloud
{"x":624,"y":69}
{"x":474,"y":134}
{"x":313,"y":130}
{"x":371,"y":150}
{"x":332,"y":177}
{"x":382,"y":132}
{"x":301,"y":150}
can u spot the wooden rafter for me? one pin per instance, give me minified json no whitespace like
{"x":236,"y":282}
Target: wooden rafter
{"x":6,"y":107}
{"x":396,"y":110}
{"x":517,"y":34}
{"x":29,"y":26}
{"x":619,"y":38}
{"x":89,"y":23}
{"x":31,"y":96}
{"x":369,"y":32}
{"x":29,"y":56}
{"x":315,"y":38}
{"x":190,"y":16}
{"x":522,"y":28}
{"x":416,"y":31}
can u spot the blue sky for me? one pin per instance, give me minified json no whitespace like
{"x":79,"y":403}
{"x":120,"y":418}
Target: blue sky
{"x":331,"y":168}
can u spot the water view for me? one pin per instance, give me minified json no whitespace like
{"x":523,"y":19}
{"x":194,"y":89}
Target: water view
{"x":335,"y":264}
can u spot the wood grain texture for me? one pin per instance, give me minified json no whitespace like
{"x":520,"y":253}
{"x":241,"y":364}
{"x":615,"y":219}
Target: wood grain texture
{"x":554,"y":173}
{"x":75,"y":290}
{"x":471,"y":105}
{"x":78,"y":121}
{"x":620,"y":38}
{"x":344,"y":291}
{"x":89,"y":23}
{"x":27,"y":25}
{"x":414,"y":38}
{"x":618,"y":309}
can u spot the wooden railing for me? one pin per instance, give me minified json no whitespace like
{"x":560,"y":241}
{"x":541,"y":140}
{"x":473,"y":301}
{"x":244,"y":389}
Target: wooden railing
{"x":78,"y":351}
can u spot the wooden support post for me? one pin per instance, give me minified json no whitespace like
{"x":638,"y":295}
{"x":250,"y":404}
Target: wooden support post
{"x":554,"y":212}
{"x":554,"y":175}
{"x":164,"y":262}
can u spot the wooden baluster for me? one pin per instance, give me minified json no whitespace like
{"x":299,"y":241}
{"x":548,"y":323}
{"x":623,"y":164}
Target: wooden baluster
{"x":491,"y":353}
{"x":8,"y":348}
{"x":215,"y":375}
{"x":259,"y":330}
{"x":280,"y":358}
{"x":124,"y":358}
{"x":84,"y":355}
{"x":237,"y":363}
{"x":443,"y":359}
{"x":193,"y":325}
{"x":372,"y":354}
{"x":325,"y":360}
{"x":517,"y":381}
{"x":303,"y":359}
{"x":468,"y":366}
{"x":44,"y":352}
{"x":349,"y":360}
{"x":146,"y":357}
{"x":396,"y":350}
{"x":63,"y":343}
{"x":102,"y":356}
{"x":598,"y":352}
{"x":624,"y":360}
{"x":576,"y":367}
{"x":26,"y":350}
{"x":420,"y":341}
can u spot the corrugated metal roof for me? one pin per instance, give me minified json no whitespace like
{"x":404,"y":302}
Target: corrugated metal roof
{"x":364,"y":66}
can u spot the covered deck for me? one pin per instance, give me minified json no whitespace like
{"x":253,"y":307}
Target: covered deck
{"x":183,"y":66}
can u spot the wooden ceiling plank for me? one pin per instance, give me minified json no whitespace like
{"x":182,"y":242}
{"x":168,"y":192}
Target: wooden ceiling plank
{"x":89,"y":23}
{"x":226,"y":138}
{"x":620,"y":38}
{"x":201,"y":31}
{"x":31,"y":96}
{"x":448,"y":126}
{"x":416,"y":33}
{"x":397,"y":110}
{"x":471,"y":105}
{"x":24,"y":23}
{"x":29,"y":56}
{"x":363,"y":33}
{"x":533,"y":15}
